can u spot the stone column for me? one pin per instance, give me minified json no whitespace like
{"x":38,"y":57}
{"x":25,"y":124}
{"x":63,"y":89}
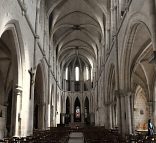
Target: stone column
{"x":18,"y":95}
{"x":114,"y":115}
{"x":113,"y":20}
{"x":51,"y":116}
{"x":49,"y":93}
{"x":118,"y":110}
{"x":81,"y":79}
{"x":123,"y":114}
{"x":107,"y":36}
{"x":81,"y":107}
{"x":129,"y":113}
{"x":154,"y":112}
{"x":72,"y":84}
{"x":72,"y":111}
{"x":92,"y":118}
{"x":110,"y":116}
{"x":41,"y":116}
{"x":66,"y":85}
{"x":150,"y":104}
{"x":48,"y":121}
{"x":62,"y":118}
{"x":150,"y":109}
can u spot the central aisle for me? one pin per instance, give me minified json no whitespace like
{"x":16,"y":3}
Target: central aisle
{"x":76,"y":137}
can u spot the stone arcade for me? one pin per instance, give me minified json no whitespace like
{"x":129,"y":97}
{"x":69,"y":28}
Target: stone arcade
{"x":77,"y":62}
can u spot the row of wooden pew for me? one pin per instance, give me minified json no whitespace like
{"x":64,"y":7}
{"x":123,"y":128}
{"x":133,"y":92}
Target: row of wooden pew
{"x":140,"y":138}
{"x":54,"y":135}
{"x":91,"y":135}
{"x":102,"y":135}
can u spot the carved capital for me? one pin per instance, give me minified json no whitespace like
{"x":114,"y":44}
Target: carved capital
{"x":18,"y":90}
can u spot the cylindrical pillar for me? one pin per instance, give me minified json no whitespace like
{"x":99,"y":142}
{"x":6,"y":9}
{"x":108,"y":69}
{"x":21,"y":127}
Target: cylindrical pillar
{"x":123,"y":114}
{"x":18,"y":94}
{"x":92,"y":118}
{"x":62,"y":118}
{"x":129,"y":116}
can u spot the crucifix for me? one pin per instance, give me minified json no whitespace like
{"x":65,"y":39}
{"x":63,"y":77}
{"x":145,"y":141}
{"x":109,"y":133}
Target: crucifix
{"x":31,"y":80}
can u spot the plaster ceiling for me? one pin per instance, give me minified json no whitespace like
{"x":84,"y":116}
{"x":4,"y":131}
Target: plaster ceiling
{"x":77,"y":29}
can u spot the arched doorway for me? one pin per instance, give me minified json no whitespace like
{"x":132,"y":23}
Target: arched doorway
{"x":67,"y":116}
{"x":77,"y":110}
{"x":86,"y":111}
{"x":39,"y":99}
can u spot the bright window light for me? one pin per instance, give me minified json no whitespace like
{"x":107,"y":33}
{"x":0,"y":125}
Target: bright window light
{"x":66,"y":74}
{"x":87,"y":73}
{"x":77,"y":74}
{"x":48,"y":115}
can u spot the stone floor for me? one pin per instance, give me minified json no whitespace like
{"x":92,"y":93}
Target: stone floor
{"x":76,"y":137}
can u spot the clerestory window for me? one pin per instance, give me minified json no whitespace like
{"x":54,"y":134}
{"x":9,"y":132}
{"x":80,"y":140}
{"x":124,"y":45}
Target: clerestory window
{"x":66,"y":74}
{"x":87,"y":73}
{"x":77,"y":73}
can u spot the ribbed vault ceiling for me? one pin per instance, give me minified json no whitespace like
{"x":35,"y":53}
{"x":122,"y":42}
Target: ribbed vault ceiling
{"x":77,"y":29}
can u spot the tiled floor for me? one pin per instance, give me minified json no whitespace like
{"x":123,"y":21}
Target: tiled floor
{"x":76,"y":137}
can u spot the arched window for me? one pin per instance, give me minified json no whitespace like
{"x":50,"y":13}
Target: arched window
{"x":66,"y":74}
{"x":87,"y":73}
{"x":77,"y":73}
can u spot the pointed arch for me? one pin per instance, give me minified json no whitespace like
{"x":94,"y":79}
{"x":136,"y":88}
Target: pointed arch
{"x":67,"y":105}
{"x":12,"y":74}
{"x":15,"y":30}
{"x":39,"y":98}
{"x":77,"y":110}
{"x":135,"y":22}
{"x":87,"y":102}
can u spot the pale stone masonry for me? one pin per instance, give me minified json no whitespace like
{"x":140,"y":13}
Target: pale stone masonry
{"x":112,"y":45}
